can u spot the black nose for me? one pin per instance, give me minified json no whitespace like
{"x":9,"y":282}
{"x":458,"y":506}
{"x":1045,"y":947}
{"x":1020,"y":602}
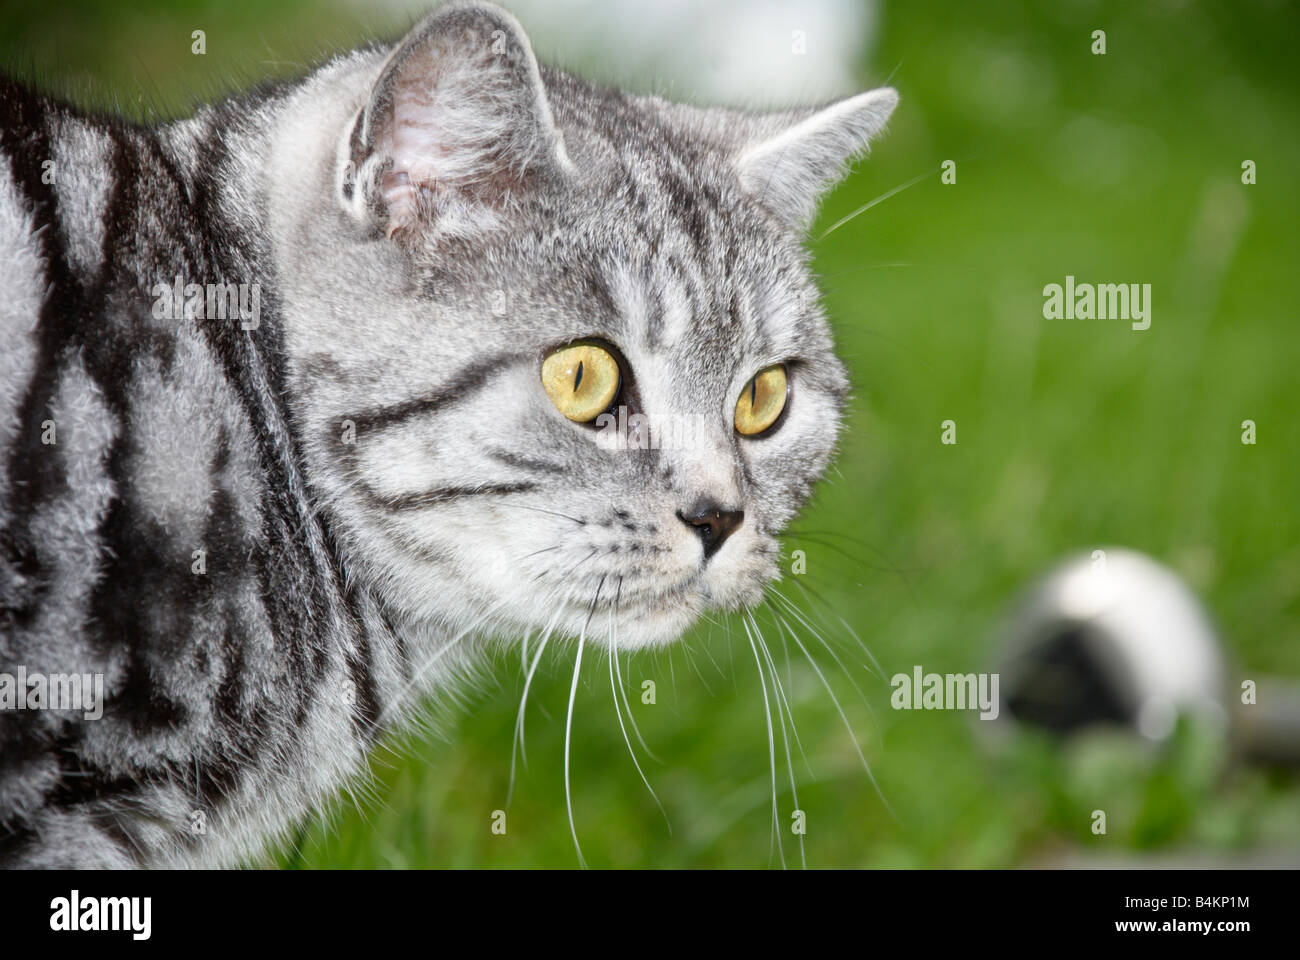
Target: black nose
{"x":712,"y":523}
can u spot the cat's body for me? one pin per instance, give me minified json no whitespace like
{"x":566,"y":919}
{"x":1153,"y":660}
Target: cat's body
{"x":170,"y":437}
{"x":271,"y":535}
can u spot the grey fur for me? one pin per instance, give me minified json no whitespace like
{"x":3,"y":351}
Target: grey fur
{"x":372,"y":480}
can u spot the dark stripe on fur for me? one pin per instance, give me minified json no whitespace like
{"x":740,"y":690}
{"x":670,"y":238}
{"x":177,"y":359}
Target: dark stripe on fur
{"x":521,"y":462}
{"x":461,"y":387}
{"x":431,"y":498}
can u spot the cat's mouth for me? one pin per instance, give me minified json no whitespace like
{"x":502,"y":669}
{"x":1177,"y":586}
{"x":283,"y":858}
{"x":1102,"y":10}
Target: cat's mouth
{"x":631,"y":626}
{"x":618,"y":614}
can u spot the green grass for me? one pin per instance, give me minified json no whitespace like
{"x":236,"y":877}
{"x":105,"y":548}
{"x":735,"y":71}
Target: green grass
{"x":1071,"y":435}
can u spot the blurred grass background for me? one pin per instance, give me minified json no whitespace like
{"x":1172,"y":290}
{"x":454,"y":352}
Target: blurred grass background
{"x":1071,"y":435}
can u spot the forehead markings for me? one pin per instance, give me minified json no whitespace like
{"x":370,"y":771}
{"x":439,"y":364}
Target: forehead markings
{"x":659,"y":304}
{"x":692,"y":286}
{"x":679,"y":305}
{"x":654,"y":318}
{"x":630,"y":299}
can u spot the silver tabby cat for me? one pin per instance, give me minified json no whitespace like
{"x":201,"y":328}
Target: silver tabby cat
{"x":272,"y":532}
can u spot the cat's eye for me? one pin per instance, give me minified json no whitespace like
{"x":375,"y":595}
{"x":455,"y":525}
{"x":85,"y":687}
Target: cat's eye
{"x":761,"y":401}
{"x":582,"y":380}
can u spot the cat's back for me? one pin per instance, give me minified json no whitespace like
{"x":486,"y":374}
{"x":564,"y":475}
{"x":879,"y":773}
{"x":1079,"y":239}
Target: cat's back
{"x":23,"y":253}
{"x":155,"y":537}
{"x":56,"y":174}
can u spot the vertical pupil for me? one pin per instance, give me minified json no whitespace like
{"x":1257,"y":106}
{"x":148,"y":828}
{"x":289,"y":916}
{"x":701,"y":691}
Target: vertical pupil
{"x":577,"y":381}
{"x":753,"y":393}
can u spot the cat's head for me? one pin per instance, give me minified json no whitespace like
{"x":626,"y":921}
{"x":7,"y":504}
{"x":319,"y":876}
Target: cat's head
{"x":556,"y":349}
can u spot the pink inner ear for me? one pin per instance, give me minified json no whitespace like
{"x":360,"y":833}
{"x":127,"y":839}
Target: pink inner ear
{"x":400,"y":201}
{"x":417,"y":115}
{"x":413,"y":147}
{"x":465,"y":123}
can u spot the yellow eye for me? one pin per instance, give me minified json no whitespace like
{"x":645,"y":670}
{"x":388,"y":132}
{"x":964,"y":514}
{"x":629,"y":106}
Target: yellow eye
{"x":582,"y":380}
{"x":762,"y":401}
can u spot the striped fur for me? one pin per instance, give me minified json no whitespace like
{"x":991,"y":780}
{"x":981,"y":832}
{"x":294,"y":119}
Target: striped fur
{"x":371,"y":483}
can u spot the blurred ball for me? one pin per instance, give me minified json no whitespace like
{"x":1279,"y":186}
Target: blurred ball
{"x":1111,"y":638}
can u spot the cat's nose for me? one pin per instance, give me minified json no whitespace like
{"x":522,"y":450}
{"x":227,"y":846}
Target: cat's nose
{"x":713,"y":523}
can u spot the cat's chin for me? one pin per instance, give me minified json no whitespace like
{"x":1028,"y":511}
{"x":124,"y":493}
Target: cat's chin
{"x":635,"y":627}
{"x":653,"y":623}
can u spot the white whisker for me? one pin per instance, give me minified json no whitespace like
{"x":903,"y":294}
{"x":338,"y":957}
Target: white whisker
{"x":853,"y":633}
{"x":635,"y":729}
{"x":880,"y":199}
{"x":782,"y":700}
{"x":840,"y":710}
{"x":817,"y":635}
{"x":613,"y":659}
{"x":785,"y":736}
{"x":518,"y":739}
{"x":771,"y":747}
{"x":568,"y":725}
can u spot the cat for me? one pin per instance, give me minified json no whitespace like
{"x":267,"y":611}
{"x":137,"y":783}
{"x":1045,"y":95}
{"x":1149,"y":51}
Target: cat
{"x":273,"y":520}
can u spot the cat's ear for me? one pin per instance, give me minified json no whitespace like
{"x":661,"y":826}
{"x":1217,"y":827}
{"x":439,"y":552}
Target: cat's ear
{"x":457,"y":126}
{"x":789,"y":160}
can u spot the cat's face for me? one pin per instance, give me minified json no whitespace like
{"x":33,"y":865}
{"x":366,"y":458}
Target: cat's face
{"x":595,"y":382}
{"x":628,"y":484}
